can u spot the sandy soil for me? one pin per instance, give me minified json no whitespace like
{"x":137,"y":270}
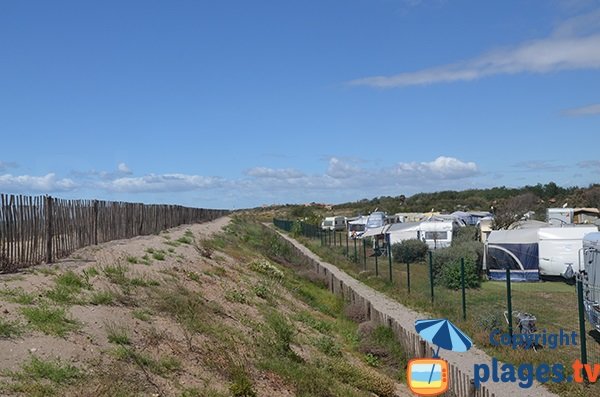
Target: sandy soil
{"x":88,"y":348}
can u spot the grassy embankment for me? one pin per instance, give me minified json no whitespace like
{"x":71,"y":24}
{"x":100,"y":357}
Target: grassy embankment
{"x":234,"y":315}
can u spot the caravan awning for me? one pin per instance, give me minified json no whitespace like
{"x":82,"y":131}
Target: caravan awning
{"x":376,"y":231}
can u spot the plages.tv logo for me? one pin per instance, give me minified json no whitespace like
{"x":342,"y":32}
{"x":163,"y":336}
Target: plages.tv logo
{"x":429,"y":376}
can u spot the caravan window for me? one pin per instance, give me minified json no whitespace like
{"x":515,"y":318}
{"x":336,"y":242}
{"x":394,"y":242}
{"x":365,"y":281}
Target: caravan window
{"x":499,"y":259}
{"x":436,"y":235}
{"x":354,"y":227}
{"x":328,"y":223}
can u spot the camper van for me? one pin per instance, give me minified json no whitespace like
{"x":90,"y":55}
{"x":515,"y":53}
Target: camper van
{"x":334,"y":223}
{"x":591,"y":277}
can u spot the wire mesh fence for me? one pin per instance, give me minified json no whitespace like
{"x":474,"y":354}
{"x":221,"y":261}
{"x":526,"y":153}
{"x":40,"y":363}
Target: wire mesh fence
{"x":544,"y":308}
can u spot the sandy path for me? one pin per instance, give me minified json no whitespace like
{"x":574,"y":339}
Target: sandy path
{"x":404,"y":315}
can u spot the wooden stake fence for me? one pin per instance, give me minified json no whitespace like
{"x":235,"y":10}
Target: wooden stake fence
{"x":43,"y":228}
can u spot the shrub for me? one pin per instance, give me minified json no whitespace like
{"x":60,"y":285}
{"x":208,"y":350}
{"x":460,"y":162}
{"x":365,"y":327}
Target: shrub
{"x":451,"y":277}
{"x":267,"y":268}
{"x":296,"y":228}
{"x":413,"y":250}
{"x":464,"y":234}
{"x":471,"y":251}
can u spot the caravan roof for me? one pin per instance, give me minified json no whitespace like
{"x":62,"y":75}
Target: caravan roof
{"x":406,"y":226}
{"x":517,"y":236}
{"x":592,"y":240}
{"x":566,"y":233}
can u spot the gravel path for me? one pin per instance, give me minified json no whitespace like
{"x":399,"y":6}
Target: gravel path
{"x":403,"y":315}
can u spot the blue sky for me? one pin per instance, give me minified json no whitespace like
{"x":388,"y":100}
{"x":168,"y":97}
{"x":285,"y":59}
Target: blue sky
{"x":239,"y":103}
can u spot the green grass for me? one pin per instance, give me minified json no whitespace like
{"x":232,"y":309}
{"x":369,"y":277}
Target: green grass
{"x":102,"y":298}
{"x":158,"y":255}
{"x":132,"y":259}
{"x":91,"y":272}
{"x":117,"y":334}
{"x":142,"y":314}
{"x":18,"y":295}
{"x":53,"y":370}
{"x":49,"y":320}
{"x":39,"y":377}
{"x":9,"y":329}
{"x":163,"y":366}
{"x":146,"y":260}
{"x":184,"y":240}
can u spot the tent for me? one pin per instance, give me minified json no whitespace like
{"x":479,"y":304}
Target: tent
{"x":513,"y":249}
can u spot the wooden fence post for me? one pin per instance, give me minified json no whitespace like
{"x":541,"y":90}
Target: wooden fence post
{"x":48,"y":216}
{"x":95,"y":212}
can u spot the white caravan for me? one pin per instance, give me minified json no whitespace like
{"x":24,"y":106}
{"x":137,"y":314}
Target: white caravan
{"x":356,"y":227}
{"x":591,"y":277}
{"x":559,"y":249}
{"x":334,"y":223}
{"x":437,"y":234}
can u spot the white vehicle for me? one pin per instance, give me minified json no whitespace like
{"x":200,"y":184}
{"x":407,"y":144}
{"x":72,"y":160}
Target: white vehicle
{"x":560,"y":216}
{"x":356,"y":227}
{"x":531,"y":252}
{"x":375,"y":220}
{"x":591,"y":277}
{"x":334,"y":223}
{"x":437,"y":234}
{"x":560,"y":249}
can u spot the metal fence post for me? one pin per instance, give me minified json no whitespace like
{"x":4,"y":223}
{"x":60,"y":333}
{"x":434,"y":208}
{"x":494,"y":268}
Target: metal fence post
{"x":408,"y":275}
{"x":355,"y":252}
{"x":431,"y":274}
{"x":462,"y":283}
{"x":347,"y":250}
{"x":509,"y":302}
{"x":389,"y":250}
{"x":376,"y":263}
{"x":582,"y":333}
{"x":364,"y":253}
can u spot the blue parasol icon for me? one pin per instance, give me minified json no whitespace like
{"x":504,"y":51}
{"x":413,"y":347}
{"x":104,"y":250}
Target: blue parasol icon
{"x":444,"y":334}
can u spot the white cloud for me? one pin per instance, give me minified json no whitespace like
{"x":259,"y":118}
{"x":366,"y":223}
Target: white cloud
{"x":344,"y":175}
{"x":124,"y":169}
{"x":565,"y":49}
{"x":341,"y":169}
{"x":38,"y":184}
{"x":160,"y":183}
{"x":440,"y":168}
{"x":589,"y":110}
{"x":281,"y":173}
{"x":538,"y":165}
